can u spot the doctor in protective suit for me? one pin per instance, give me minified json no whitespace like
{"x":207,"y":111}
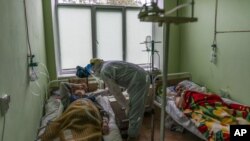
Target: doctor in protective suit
{"x":135,"y":79}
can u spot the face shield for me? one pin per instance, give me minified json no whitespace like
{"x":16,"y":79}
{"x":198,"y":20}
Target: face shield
{"x":96,"y":64}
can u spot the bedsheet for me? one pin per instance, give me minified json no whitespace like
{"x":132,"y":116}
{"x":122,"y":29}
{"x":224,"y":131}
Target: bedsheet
{"x":53,"y":109}
{"x":178,"y":116}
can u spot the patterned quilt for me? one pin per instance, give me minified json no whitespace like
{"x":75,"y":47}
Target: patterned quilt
{"x":212,"y":115}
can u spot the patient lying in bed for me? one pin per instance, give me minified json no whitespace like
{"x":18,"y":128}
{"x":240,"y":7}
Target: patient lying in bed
{"x":83,"y":119}
{"x":80,"y":91}
{"x":178,"y":91}
{"x":209,"y":112}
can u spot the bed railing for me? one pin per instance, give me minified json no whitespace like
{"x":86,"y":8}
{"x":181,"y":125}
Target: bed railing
{"x":172,"y":79}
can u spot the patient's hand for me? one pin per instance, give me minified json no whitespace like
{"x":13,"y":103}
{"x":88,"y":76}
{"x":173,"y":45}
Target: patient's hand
{"x":178,"y":101}
{"x":105,"y":126}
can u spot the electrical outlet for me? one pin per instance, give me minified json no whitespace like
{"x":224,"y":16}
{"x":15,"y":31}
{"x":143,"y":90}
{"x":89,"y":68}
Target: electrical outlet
{"x":4,"y":103}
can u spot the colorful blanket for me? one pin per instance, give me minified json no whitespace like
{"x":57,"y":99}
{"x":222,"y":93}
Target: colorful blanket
{"x":212,"y":115}
{"x":81,"y":121}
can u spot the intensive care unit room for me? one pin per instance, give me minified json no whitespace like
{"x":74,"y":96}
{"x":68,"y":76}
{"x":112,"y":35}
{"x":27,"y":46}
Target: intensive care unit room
{"x":124,"y":70}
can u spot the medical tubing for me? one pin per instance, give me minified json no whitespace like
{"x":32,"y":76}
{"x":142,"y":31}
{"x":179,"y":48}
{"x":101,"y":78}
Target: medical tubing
{"x":27,"y":27}
{"x":44,"y":66}
{"x":4,"y":118}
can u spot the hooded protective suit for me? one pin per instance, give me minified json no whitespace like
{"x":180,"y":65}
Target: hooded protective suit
{"x":118,"y":74}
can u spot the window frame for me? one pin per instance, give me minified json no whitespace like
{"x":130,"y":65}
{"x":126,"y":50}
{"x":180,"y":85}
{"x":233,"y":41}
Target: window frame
{"x":69,"y":72}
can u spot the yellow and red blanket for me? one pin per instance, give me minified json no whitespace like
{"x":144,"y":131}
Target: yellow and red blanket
{"x":212,"y":115}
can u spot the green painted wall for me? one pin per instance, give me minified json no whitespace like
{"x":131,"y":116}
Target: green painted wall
{"x":23,"y":116}
{"x":174,"y":50}
{"x":232,"y":69}
{"x":174,"y":44}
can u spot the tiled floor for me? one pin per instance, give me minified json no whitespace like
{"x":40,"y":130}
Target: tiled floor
{"x":145,"y":134}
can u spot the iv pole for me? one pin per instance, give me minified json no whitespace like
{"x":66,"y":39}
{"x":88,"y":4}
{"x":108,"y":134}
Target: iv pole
{"x":153,"y":14}
{"x":152,"y":51}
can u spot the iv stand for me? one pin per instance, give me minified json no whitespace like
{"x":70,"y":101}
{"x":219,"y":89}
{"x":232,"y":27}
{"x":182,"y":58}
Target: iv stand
{"x":154,"y":14}
{"x":152,"y":50}
{"x":152,"y":53}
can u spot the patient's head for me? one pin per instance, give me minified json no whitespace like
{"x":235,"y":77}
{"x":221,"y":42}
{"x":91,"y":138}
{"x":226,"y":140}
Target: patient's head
{"x":188,"y":85}
{"x":79,"y":89}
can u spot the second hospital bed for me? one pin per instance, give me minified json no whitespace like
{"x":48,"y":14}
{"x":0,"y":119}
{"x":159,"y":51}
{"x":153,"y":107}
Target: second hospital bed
{"x":213,"y":108}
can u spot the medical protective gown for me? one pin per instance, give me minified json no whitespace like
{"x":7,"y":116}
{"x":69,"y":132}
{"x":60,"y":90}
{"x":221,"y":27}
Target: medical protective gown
{"x":135,"y":80}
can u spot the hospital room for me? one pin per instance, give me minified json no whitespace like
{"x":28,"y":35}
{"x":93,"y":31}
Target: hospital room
{"x":124,"y":70}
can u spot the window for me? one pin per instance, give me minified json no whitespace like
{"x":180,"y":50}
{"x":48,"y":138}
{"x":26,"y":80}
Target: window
{"x":109,"y":34}
{"x":86,"y":29}
{"x":75,"y":36}
{"x":135,"y":51}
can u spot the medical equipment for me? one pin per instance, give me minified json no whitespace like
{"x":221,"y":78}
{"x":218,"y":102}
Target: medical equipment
{"x":150,"y":47}
{"x":152,"y":13}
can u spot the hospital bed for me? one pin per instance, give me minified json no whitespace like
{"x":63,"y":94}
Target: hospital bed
{"x":171,"y":108}
{"x":55,"y":109}
{"x":192,"y":123}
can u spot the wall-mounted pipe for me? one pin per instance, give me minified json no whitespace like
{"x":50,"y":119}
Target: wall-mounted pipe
{"x":214,"y":45}
{"x":215,"y":24}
